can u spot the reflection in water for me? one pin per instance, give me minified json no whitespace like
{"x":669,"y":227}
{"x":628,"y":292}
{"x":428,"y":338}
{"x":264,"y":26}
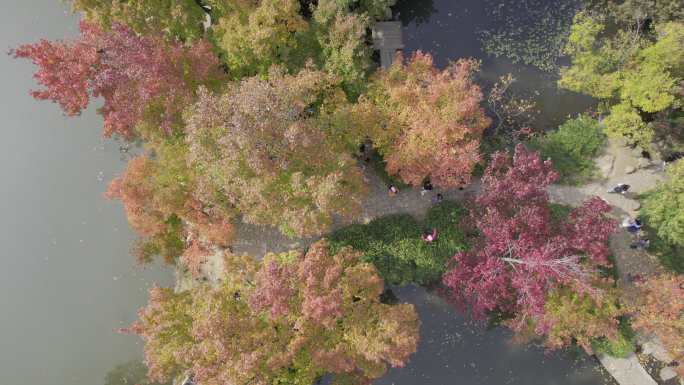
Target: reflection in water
{"x":413,"y":11}
{"x":454,"y":351}
{"x":533,"y":32}
{"x":128,"y":373}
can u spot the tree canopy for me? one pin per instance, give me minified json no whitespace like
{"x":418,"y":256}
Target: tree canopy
{"x":522,"y":255}
{"x":660,"y":310}
{"x":289,"y":319}
{"x":145,"y":81}
{"x":263,"y":146}
{"x":638,"y":71}
{"x":426,"y":123}
{"x":663,"y":207}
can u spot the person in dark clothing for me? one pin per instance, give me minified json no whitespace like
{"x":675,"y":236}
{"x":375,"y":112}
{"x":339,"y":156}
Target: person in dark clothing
{"x":620,"y":188}
{"x":672,"y":158}
{"x":437,"y":198}
{"x":641,"y":244}
{"x":427,"y":186}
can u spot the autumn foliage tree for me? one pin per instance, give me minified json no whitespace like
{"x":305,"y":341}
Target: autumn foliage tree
{"x":426,"y":122}
{"x":290,"y":319}
{"x":659,"y":310}
{"x":263,"y":145}
{"x":158,"y":197}
{"x":522,"y":254}
{"x":145,"y":81}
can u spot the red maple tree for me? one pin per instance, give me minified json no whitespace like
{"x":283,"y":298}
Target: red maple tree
{"x":522,"y":252}
{"x":145,"y":81}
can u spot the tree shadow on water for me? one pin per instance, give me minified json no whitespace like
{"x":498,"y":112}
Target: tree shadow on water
{"x":413,"y":11}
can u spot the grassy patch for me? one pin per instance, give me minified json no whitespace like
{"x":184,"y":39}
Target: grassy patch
{"x":393,"y":244}
{"x":572,"y":148}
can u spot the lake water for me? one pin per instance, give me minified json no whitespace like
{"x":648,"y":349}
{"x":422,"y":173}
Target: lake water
{"x":68,"y":281}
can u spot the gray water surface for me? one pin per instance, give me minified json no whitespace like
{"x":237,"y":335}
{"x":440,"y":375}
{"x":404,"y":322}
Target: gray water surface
{"x":67,"y":279}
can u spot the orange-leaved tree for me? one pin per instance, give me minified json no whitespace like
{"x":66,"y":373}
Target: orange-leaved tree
{"x":426,"y":123}
{"x":290,"y":319}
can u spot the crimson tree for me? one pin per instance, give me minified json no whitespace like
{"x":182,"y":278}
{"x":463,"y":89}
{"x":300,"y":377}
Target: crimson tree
{"x":145,"y":81}
{"x":522,"y":253}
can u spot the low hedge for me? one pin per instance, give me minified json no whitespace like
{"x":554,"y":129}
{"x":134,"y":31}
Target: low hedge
{"x":394,"y":244}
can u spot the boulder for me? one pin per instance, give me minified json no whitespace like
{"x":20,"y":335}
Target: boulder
{"x":667,"y":373}
{"x":630,"y":169}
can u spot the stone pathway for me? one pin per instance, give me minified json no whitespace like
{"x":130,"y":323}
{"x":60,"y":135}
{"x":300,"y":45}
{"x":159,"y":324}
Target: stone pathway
{"x":626,"y":371}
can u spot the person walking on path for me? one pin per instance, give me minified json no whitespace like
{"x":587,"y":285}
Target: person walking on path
{"x":633,"y":226}
{"x":640,"y":244}
{"x":437,"y":198}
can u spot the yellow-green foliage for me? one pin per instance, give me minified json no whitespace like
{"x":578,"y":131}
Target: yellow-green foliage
{"x":663,"y":207}
{"x":581,"y":319}
{"x":624,"y":120}
{"x":177,"y":18}
{"x":573,"y":147}
{"x":641,"y":72}
{"x":254,"y":39}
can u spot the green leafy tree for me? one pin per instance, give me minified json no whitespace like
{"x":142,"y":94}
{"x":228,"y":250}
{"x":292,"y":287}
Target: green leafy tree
{"x":573,"y":147}
{"x":342,"y":48}
{"x":635,"y":11}
{"x":255,"y":38}
{"x":573,"y":317}
{"x":158,"y":197}
{"x":181,"y":19}
{"x":290,"y":319}
{"x":663,"y":207}
{"x":374,"y":9}
{"x":268,"y":152}
{"x":640,"y":69}
{"x":660,"y":310}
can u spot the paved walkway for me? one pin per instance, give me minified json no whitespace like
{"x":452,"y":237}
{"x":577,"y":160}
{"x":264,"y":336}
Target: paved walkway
{"x":626,"y":371}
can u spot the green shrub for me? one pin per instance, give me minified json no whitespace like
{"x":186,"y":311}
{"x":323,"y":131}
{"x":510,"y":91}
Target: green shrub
{"x":394,"y":245}
{"x":572,"y":148}
{"x":670,"y":256}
